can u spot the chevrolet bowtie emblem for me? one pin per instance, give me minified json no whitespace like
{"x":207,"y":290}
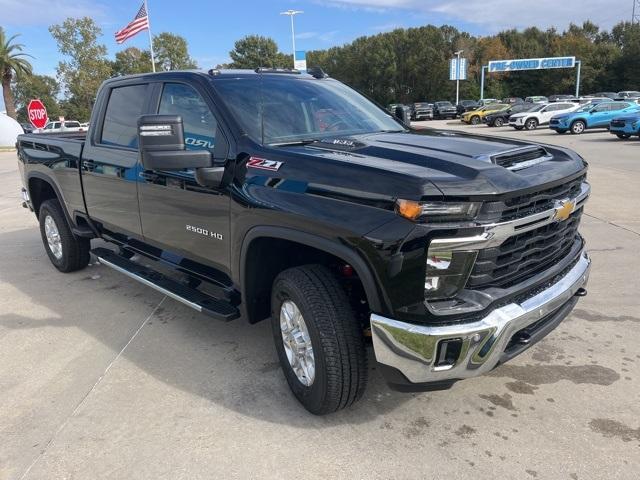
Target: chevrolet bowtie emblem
{"x":564,"y":208}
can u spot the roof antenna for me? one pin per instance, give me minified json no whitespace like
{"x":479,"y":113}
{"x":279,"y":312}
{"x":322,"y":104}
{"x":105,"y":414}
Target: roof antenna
{"x":317,"y":72}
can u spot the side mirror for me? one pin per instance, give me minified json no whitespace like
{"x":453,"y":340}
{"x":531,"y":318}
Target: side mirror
{"x":162,"y":147}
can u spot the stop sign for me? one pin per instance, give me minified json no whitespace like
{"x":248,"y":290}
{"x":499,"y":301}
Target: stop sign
{"x":37,"y":113}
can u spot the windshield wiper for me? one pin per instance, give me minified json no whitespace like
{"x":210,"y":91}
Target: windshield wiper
{"x":304,"y":141}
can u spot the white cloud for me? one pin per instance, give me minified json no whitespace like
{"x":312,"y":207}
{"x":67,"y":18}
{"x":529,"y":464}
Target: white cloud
{"x":496,"y":15}
{"x":46,"y":12}
{"x":322,"y":36}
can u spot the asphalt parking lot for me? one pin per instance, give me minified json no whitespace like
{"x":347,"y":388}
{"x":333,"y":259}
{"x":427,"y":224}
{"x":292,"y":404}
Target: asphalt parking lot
{"x":101,"y":377}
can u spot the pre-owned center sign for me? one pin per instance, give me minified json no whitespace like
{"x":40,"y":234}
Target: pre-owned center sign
{"x":531,"y":64}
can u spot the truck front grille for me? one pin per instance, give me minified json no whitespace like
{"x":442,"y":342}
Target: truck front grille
{"x":531,"y":203}
{"x":523,"y":256}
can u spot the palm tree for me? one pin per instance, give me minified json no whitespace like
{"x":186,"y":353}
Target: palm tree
{"x":12,"y":62}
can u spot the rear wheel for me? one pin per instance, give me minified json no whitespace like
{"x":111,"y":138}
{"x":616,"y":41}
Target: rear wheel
{"x":475,"y":120}
{"x":578,"y":127}
{"x":623,"y":136}
{"x":531,"y":124}
{"x":498,"y":122}
{"x":318,"y":340}
{"x":66,"y":251}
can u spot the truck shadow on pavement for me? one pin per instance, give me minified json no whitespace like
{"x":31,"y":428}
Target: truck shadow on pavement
{"x":231,"y":364}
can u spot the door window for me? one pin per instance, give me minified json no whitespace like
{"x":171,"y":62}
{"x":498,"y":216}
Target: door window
{"x":618,"y":106}
{"x":126,"y":105}
{"x":198,"y":122}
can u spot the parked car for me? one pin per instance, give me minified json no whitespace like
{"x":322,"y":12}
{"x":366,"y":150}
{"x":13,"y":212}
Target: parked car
{"x":512,"y":100}
{"x":444,"y":109}
{"x":609,"y":95}
{"x":562,"y":98}
{"x":487,"y":101}
{"x":500,"y":118}
{"x":68,"y":126}
{"x":466,"y":106}
{"x":27,"y":127}
{"x":540,"y":115}
{"x":422,"y":111}
{"x":474,"y":117}
{"x":593,"y":100}
{"x":589,"y":116}
{"x":536,"y":99}
{"x":625,"y":126}
{"x":248,"y":207}
{"x":628,"y":95}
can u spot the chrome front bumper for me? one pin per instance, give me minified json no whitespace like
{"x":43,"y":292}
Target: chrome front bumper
{"x":412,"y":349}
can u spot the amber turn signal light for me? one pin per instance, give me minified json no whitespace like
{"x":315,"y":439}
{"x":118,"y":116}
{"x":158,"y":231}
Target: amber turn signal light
{"x":409,"y":209}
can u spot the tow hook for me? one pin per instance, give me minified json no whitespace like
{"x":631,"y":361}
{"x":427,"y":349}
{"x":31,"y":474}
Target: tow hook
{"x":582,"y":292}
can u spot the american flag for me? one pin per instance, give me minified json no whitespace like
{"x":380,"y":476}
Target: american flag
{"x":138,"y":24}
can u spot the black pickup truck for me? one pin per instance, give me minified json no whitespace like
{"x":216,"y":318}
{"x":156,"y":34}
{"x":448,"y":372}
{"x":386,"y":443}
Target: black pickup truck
{"x":286,"y":196}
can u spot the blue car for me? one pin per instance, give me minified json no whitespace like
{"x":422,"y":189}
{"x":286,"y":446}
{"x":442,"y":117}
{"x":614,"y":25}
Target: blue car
{"x":625,"y":127}
{"x":591,"y":116}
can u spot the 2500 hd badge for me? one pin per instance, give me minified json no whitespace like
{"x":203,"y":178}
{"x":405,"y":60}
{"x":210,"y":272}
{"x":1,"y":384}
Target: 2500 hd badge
{"x":205,"y":232}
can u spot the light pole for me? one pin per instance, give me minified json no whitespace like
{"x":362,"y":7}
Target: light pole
{"x":457,"y":54}
{"x":292,"y":13}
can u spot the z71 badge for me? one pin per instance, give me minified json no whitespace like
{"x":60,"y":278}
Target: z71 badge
{"x":264,"y":164}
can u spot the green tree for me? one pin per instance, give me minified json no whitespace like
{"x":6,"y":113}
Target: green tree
{"x":132,"y":60}
{"x":255,"y":51}
{"x":172,"y":52}
{"x":36,"y":86}
{"x":85,"y":67}
{"x":12,"y":65}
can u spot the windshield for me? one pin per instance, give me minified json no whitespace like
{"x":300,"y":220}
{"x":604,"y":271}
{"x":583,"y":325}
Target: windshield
{"x":444,"y":104}
{"x":586,"y":107}
{"x":278,"y":110}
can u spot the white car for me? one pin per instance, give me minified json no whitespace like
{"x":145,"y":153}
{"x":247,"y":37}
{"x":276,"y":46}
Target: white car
{"x":59,"y":127}
{"x":540,"y":114}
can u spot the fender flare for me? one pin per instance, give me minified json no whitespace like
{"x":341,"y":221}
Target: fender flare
{"x":54,"y":186}
{"x":349,"y":255}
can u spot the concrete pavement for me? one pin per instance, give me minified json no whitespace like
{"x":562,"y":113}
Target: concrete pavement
{"x":101,"y":377}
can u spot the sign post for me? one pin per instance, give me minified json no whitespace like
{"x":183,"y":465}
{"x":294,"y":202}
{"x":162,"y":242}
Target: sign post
{"x":37,"y":113}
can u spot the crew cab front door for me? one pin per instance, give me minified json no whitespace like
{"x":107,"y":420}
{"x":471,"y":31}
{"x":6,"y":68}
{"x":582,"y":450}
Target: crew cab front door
{"x":187,"y":221}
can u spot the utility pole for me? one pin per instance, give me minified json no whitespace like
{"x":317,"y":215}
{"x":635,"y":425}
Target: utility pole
{"x":635,"y":16}
{"x":457,"y":54}
{"x":292,"y":13}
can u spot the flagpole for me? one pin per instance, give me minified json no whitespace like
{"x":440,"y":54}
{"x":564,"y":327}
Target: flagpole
{"x":153,"y":60}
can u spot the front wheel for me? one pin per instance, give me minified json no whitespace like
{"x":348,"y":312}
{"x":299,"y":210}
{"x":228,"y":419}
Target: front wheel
{"x":66,"y":251}
{"x":578,"y":127}
{"x":319,"y":343}
{"x":531,"y":124}
{"x":623,"y":136}
{"x":498,"y":122}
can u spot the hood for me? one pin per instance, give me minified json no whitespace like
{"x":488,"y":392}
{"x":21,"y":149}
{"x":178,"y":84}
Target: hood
{"x":420,"y":163}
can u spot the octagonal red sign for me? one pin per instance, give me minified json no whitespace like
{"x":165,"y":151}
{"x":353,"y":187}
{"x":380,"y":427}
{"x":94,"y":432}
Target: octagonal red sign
{"x":37,"y":113}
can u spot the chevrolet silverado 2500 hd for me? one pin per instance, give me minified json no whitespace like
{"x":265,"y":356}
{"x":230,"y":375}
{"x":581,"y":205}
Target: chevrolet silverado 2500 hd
{"x":285,"y":196}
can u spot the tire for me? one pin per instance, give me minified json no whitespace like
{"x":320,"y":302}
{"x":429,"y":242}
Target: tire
{"x":475,"y":120}
{"x":340,"y":361}
{"x":531,"y":124}
{"x":498,"y":122}
{"x":623,"y":136}
{"x":66,"y":251}
{"x":578,"y":127}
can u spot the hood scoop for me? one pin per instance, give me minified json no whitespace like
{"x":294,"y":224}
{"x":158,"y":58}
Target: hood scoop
{"x":518,"y":158}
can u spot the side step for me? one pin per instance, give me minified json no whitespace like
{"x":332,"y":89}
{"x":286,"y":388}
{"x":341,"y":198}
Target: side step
{"x":220,"y":309}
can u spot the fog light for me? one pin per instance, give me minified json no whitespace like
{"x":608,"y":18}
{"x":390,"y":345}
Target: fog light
{"x":447,"y":272}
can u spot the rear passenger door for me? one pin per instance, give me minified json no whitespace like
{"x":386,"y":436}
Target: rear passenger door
{"x":600,"y":115}
{"x":179,"y":215}
{"x":110,"y":160}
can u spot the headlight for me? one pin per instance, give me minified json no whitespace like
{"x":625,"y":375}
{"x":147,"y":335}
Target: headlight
{"x":447,"y":272}
{"x":437,"y":211}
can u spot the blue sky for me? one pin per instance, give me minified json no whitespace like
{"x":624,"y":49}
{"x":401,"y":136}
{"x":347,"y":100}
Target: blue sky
{"x":211,"y":27}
